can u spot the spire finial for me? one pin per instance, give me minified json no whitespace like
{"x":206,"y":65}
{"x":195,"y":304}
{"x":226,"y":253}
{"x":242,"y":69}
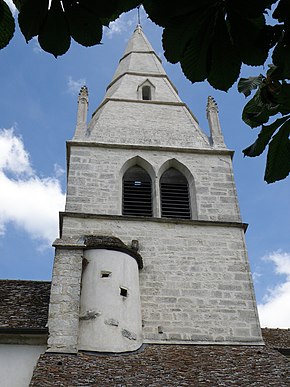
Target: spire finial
{"x":211,"y":105}
{"x":138,"y":16}
{"x":83,"y":92}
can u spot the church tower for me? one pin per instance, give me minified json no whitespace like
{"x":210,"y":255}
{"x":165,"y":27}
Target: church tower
{"x":151,"y":246}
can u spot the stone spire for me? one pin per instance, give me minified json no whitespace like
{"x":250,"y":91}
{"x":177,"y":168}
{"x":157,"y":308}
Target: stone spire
{"x":138,"y":58}
{"x":139,"y":92}
{"x":83,"y":102}
{"x":217,"y":138}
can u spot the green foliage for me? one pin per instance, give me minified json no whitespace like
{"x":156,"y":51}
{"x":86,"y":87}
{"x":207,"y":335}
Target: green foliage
{"x":54,"y":34}
{"x":246,"y":85}
{"x":278,"y":158}
{"x":271,"y":97}
{"x":264,"y":137}
{"x":32,"y":16}
{"x":7,"y":24}
{"x":211,"y":39}
{"x":81,"y":20}
{"x":206,"y":36}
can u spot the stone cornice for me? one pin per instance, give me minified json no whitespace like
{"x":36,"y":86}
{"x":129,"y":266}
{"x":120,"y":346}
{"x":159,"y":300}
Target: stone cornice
{"x":140,"y":52}
{"x":140,"y":74}
{"x":106,"y":242}
{"x":141,"y":101}
{"x":192,"y":222}
{"x":209,"y":151}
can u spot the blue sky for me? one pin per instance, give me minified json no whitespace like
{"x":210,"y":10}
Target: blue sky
{"x":38,"y":114}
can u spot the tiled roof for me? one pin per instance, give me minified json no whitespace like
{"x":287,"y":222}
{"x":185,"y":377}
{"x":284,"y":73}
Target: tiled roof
{"x":24,"y":304}
{"x":276,"y":338}
{"x":167,"y":366}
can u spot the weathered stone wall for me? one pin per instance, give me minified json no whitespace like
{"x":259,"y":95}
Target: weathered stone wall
{"x":95,"y":180}
{"x":63,"y":318}
{"x":195,"y":285}
{"x":127,"y":87}
{"x":145,"y":123}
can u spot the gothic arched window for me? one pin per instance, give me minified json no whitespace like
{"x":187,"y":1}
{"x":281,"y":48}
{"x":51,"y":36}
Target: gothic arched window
{"x":174,"y":195}
{"x":137,"y":192}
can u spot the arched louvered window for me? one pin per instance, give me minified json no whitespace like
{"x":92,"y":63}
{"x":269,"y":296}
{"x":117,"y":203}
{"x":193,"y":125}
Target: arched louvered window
{"x":146,"y":93}
{"x":137,"y":192}
{"x":174,"y":195}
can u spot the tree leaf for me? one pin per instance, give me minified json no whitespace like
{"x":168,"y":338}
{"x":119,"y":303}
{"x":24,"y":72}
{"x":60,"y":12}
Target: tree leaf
{"x":18,"y":3}
{"x":54,"y":36}
{"x":85,"y":27}
{"x":7,"y":24}
{"x":283,"y":98}
{"x":250,"y":8}
{"x":249,"y":38}
{"x":257,"y":112}
{"x":264,"y":137}
{"x":282,"y":11}
{"x":31,"y":17}
{"x":194,"y":60}
{"x":100,"y":8}
{"x":125,"y":5}
{"x":162,"y":11}
{"x":223,"y":56}
{"x":246,"y":85}
{"x":278,"y":158}
{"x":176,"y":37}
{"x":281,"y":57}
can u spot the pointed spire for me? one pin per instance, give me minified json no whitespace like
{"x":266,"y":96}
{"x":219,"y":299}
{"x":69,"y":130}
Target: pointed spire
{"x":211,"y":106}
{"x":139,"y":93}
{"x":139,"y":58}
{"x":83,"y":103}
{"x":138,"y":42}
{"x":217,"y":138}
{"x":138,"y":15}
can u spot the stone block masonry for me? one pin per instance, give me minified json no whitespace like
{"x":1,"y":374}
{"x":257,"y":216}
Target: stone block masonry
{"x":96,"y":171}
{"x":63,"y":320}
{"x":195,"y":283}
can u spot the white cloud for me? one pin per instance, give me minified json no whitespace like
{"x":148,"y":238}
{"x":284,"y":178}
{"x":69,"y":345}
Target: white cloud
{"x":256,"y":275}
{"x":58,"y":170}
{"x":274,"y":311}
{"x":36,"y":47}
{"x":28,"y":201}
{"x":120,"y":25}
{"x":74,"y":86}
{"x":13,"y":157}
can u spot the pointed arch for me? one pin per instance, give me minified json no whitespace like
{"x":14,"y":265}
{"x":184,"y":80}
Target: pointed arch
{"x":177,"y":191}
{"x":138,"y":160}
{"x":138,"y":187}
{"x":146,"y":91}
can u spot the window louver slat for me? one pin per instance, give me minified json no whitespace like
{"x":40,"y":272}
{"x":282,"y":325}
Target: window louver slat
{"x":137,"y":193}
{"x":174,"y":195}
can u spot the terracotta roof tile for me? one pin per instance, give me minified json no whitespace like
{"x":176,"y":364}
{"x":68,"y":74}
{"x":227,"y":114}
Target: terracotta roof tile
{"x":24,"y":304}
{"x":167,"y":365}
{"x":276,"y":338}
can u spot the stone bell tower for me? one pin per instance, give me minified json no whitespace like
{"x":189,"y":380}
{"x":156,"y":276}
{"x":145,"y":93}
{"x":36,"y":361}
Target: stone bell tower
{"x":151,"y":246}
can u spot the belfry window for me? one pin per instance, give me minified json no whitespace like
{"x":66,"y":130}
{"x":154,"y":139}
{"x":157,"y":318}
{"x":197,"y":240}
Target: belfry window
{"x":174,"y":195}
{"x":146,"y":93}
{"x":137,"y":192}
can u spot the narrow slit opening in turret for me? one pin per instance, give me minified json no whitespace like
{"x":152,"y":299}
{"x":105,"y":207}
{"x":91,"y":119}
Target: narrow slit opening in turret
{"x":123,"y":292}
{"x":106,"y":274}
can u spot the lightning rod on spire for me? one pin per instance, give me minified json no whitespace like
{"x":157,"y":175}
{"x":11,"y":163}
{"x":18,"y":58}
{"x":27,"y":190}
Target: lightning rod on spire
{"x":138,"y":15}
